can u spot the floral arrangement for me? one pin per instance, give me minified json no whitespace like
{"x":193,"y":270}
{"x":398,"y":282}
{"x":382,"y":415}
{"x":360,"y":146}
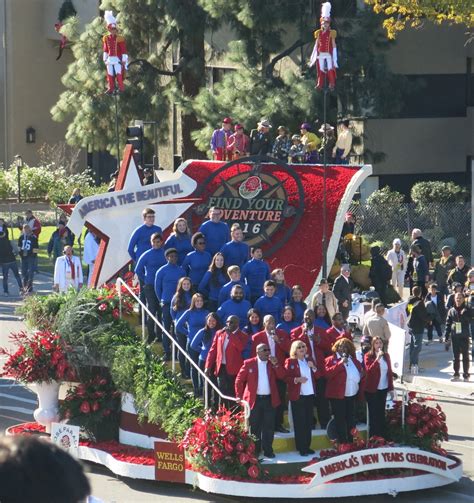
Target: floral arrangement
{"x":219,"y":443}
{"x":425,"y":426}
{"x":358,"y":444}
{"x":40,"y":357}
{"x":108,"y":303}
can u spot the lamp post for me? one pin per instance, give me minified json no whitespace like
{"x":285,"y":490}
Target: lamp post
{"x":19,"y":166}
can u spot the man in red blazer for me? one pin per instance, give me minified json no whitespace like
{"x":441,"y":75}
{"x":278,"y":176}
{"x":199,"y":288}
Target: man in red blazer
{"x":256,"y":383}
{"x":279,"y":344}
{"x":336,"y":332}
{"x":225,"y":355}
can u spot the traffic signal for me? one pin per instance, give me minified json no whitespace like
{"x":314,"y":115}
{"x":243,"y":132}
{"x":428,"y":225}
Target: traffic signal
{"x":135,"y":138}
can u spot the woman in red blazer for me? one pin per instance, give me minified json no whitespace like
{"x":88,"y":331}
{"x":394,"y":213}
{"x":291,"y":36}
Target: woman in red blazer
{"x":301,"y":375}
{"x":379,"y":383}
{"x":345,"y":382}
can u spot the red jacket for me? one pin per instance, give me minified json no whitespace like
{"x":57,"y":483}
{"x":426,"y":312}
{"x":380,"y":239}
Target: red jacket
{"x":293,"y":370}
{"x":331,"y":336}
{"x":335,"y":373}
{"x":282,"y":348}
{"x":298,"y":334}
{"x":233,"y":354}
{"x":246,"y":382}
{"x":372,"y":368}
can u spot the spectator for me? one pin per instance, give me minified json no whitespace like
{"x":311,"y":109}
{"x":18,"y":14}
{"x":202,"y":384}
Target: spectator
{"x":256,"y":383}
{"x":324,"y":297}
{"x":457,"y":329}
{"x":60,"y":238}
{"x":216,"y":233}
{"x":423,"y":243}
{"x":397,"y":260}
{"x":380,"y":273}
{"x":67,"y":272}
{"x":282,"y":144}
{"x":342,"y":289}
{"x":459,"y":273}
{"x":365,"y":345}
{"x":148,"y":177}
{"x":345,"y":382}
{"x":297,"y":303}
{"x":442,"y":268}
{"x":238,"y":143}
{"x":236,"y":305}
{"x":7,"y":258}
{"x":420,"y":275}
{"x":235,"y":279}
{"x":371,"y":312}
{"x":219,"y":140}
{"x":140,"y":240}
{"x":180,"y":239}
{"x":260,"y":141}
{"x":377,"y":326}
{"x":28,"y":246}
{"x":310,"y":143}
{"x":348,"y":227}
{"x":36,"y":470}
{"x":180,"y":303}
{"x":91,"y":249}
{"x":269,"y":303}
{"x":113,"y":181}
{"x":197,"y":262}
{"x":283,"y":292}
{"x":328,"y":143}
{"x":296,"y":150}
{"x":288,"y":323}
{"x":436,"y":310}
{"x":343,"y":145}
{"x":379,"y":382}
{"x":254,"y":325}
{"x":418,"y":319}
{"x":213,"y":281}
{"x":301,"y":377}
{"x":255,"y":272}
{"x":76,"y":196}
{"x":236,"y":251}
{"x":33,"y":222}
{"x":469,"y":285}
{"x":456,"y":287}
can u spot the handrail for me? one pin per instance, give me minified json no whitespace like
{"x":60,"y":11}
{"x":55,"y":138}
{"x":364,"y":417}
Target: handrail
{"x":120,"y":282}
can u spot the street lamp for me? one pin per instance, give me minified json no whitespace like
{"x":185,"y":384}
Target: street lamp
{"x":19,"y":166}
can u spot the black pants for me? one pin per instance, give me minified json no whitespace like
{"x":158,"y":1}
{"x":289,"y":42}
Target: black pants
{"x":322,"y":403}
{"x":344,"y":417}
{"x":262,"y":420}
{"x":226,"y":384}
{"x":279,"y":411}
{"x":213,"y":396}
{"x":196,"y":378}
{"x":183,"y":363}
{"x":302,"y":412}
{"x":435,"y":324}
{"x":376,"y":402}
{"x":381,"y":289}
{"x":461,"y":347}
{"x":154,"y":306}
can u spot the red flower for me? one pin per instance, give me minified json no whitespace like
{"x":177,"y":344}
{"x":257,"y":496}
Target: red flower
{"x":411,"y":420}
{"x":95,"y":406}
{"x":253,"y":471}
{"x":415,"y":409}
{"x":85,"y":408}
{"x":355,"y":432}
{"x":344,"y":448}
{"x":411,"y":395}
{"x":243,"y":458}
{"x":103,"y":307}
{"x":239,"y":447}
{"x":116,"y":313}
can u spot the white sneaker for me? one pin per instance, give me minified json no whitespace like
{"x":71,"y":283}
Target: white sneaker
{"x":455,"y":378}
{"x":6,"y":294}
{"x":414,"y":370}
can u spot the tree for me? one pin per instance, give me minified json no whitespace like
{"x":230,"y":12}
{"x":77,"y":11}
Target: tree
{"x":402,"y":13}
{"x":426,"y":193}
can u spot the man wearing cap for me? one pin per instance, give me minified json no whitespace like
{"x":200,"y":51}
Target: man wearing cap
{"x":114,"y":54}
{"x":342,"y":289}
{"x":343,"y":145}
{"x":310,"y":142}
{"x":445,"y":264}
{"x":219,"y":140}
{"x":328,"y":142}
{"x":324,"y":297}
{"x":296,"y":150}
{"x":238,"y":143}
{"x":260,"y":142}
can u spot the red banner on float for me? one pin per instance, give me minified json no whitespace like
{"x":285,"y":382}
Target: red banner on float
{"x":169,"y":462}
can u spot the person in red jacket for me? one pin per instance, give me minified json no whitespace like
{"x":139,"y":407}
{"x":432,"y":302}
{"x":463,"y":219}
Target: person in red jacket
{"x":114,"y":54}
{"x":256,"y":383}
{"x":301,"y":376}
{"x":279,"y":343}
{"x":345,"y":382}
{"x":336,"y":332}
{"x":379,"y":382}
{"x":225,"y":355}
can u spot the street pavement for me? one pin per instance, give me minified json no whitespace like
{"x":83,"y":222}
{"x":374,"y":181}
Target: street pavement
{"x":457,"y":399}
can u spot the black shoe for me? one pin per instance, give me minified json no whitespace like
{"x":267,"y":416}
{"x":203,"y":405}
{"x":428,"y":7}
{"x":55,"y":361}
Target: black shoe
{"x":281,"y":429}
{"x":304,"y":453}
{"x":270,"y":455}
{"x":310,"y":451}
{"x":166,"y":358}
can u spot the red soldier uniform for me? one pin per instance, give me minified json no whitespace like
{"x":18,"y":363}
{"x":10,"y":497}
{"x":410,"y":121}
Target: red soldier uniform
{"x":114,"y":54}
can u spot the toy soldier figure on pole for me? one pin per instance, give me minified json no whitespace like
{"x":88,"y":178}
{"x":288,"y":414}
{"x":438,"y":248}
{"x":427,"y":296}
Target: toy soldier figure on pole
{"x":115,"y":54}
{"x":325,"y":51}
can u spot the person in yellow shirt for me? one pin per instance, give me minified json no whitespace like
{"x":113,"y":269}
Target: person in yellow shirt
{"x":310,"y":142}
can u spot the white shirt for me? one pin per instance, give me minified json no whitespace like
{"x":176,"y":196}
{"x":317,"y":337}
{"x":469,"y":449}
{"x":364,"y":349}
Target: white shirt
{"x":310,"y":334}
{"x":263,"y":387}
{"x":352,"y":378}
{"x":383,"y":381}
{"x":271,"y":344}
{"x":307,"y":387}
{"x":224,"y":348}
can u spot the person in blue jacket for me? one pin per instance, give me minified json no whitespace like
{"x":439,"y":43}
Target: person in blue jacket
{"x":283,"y":292}
{"x":288,"y":322}
{"x":180,"y":239}
{"x":197,"y":262}
{"x":236,"y":305}
{"x":139,"y":241}
{"x":297,"y":303}
{"x":235,"y":279}
{"x":166,"y":281}
{"x":201,"y":343}
{"x":254,"y":325}
{"x":269,"y":303}
{"x":255,"y":272}
{"x":216,"y":232}
{"x":322,"y":318}
{"x":145,"y":269}
{"x":179,"y":304}
{"x":236,"y":251}
{"x":212,"y":282}
{"x":189,"y":324}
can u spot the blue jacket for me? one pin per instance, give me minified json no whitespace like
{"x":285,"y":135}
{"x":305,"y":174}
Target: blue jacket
{"x":182,"y":244}
{"x":191,"y":322}
{"x":195,"y":265}
{"x":269,"y":305}
{"x":321,"y":322}
{"x":299,"y":308}
{"x":288,"y":326}
{"x":224,"y":294}
{"x":207,"y":288}
{"x":166,"y":281}
{"x":255,"y":273}
{"x":148,"y":263}
{"x":176,"y":315}
{"x":239,"y":309}
{"x":216,"y":234}
{"x":140,"y":242}
{"x":235,"y":253}
{"x":283,"y":292}
{"x":200,"y":345}
{"x":250,"y":330}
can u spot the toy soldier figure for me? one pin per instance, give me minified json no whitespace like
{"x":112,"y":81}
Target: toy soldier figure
{"x":325,"y":50}
{"x":115,"y":54}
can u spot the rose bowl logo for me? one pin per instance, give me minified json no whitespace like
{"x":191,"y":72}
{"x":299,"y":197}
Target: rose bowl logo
{"x":251,"y":187}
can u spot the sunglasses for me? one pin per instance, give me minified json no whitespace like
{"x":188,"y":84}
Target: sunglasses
{"x":265,"y":350}
{"x":300,"y":347}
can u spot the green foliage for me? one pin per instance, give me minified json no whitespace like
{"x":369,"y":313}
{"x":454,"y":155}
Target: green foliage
{"x":385,"y":198}
{"x":40,"y":311}
{"x":425,"y":193}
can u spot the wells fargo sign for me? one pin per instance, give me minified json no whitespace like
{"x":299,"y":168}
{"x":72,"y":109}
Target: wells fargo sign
{"x":169,"y":462}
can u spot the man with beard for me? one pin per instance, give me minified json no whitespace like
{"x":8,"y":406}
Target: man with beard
{"x":236,"y":305}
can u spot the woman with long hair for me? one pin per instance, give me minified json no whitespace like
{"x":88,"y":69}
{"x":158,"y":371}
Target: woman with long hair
{"x":254,"y":325}
{"x":322,"y":319}
{"x":297,"y":303}
{"x":213,"y":280}
{"x":179,"y":304}
{"x":288,"y":322}
{"x":180,"y":238}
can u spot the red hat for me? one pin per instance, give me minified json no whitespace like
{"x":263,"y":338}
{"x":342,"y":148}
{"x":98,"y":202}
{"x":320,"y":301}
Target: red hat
{"x":227,"y":120}
{"x":238,"y":126}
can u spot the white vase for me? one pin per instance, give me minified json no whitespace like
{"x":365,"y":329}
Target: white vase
{"x":47,"y":411}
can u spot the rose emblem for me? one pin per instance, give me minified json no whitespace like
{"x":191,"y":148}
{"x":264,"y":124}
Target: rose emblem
{"x":250,"y":187}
